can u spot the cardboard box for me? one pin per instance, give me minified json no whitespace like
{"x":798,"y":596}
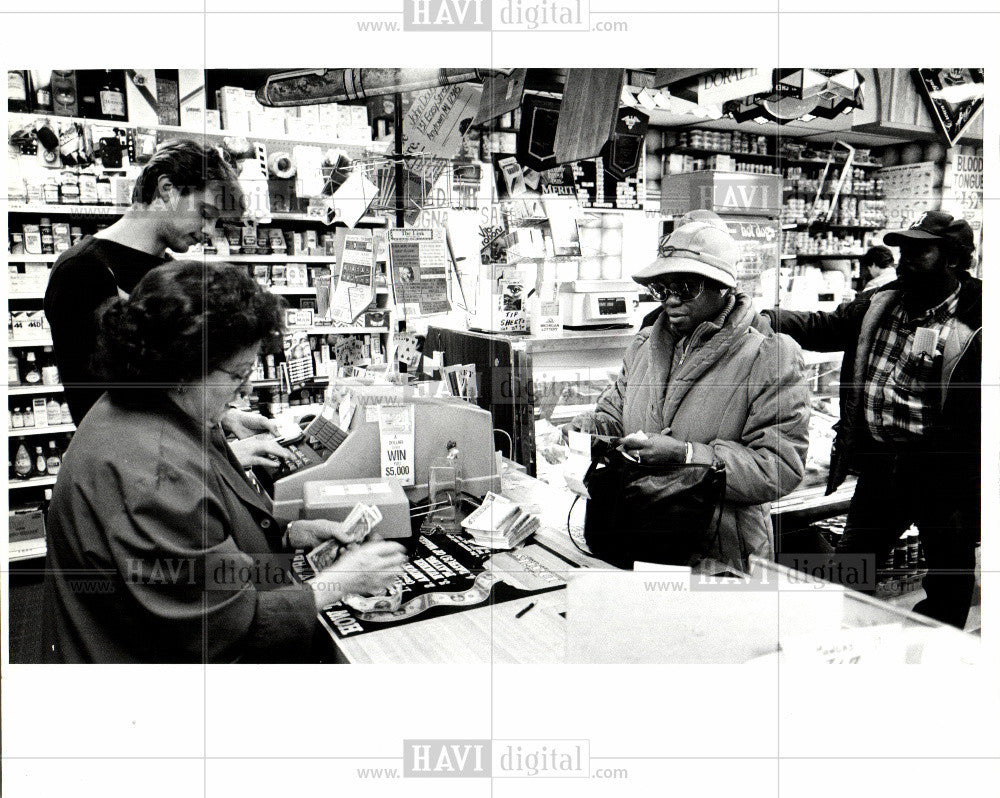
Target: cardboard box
{"x":26,"y":524}
{"x":233,"y":110}
{"x":141,"y":95}
{"x":192,"y":98}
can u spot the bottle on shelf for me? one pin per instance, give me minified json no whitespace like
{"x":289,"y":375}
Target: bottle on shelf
{"x":32,"y":373}
{"x":28,"y":416}
{"x":64,"y":415}
{"x":22,"y":462}
{"x":45,"y":229}
{"x":42,"y":83}
{"x":16,"y":418}
{"x":50,"y":372}
{"x":52,"y":412}
{"x":13,"y":369}
{"x":41,"y":467}
{"x":111,"y":98}
{"x":53,"y":461}
{"x":17,"y":91}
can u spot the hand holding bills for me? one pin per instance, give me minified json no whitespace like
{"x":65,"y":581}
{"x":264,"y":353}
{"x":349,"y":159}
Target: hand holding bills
{"x":355,"y":530}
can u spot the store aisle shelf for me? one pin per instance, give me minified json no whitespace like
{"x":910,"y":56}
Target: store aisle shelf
{"x":26,"y":295}
{"x":34,"y":482}
{"x":213,"y":258}
{"x":31,"y":390}
{"x":292,"y":290}
{"x":81,"y":210}
{"x":52,"y":429}
{"x":376,"y":147}
{"x":323,"y":330}
{"x":27,"y":343}
{"x":26,"y":550}
{"x":27,"y":257}
{"x":298,"y":216}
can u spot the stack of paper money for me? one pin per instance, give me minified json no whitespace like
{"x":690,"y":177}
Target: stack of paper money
{"x":356,"y":527}
{"x":500,"y":523}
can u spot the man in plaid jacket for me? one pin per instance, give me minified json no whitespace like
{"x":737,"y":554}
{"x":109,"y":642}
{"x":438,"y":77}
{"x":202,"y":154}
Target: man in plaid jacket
{"x":910,"y":409}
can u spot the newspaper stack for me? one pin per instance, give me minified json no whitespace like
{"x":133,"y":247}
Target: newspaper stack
{"x":499,"y":523}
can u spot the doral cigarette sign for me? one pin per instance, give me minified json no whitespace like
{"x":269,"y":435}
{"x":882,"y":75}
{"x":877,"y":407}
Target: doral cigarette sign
{"x":719,"y":85}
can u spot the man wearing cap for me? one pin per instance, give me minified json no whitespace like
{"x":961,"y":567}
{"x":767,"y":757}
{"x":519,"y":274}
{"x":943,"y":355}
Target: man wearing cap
{"x":709,"y":381}
{"x":910,"y":409}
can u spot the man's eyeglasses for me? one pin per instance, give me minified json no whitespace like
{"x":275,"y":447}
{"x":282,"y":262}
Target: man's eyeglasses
{"x":684,"y":290}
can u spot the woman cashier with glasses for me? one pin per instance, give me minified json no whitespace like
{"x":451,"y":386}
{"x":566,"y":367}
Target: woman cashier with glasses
{"x":159,"y":549}
{"x":707,"y":382}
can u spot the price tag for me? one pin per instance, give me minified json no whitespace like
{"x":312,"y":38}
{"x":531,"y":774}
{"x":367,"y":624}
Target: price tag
{"x":395,"y":428}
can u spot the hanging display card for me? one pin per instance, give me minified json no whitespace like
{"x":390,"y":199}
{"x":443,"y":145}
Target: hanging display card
{"x":355,"y":289}
{"x":418,"y":260}
{"x":395,"y":429}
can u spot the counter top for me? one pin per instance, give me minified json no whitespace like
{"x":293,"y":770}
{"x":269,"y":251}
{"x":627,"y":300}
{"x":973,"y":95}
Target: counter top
{"x":565,"y":340}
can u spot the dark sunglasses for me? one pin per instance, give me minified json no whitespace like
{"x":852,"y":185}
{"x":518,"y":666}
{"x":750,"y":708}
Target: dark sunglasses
{"x":684,"y":290}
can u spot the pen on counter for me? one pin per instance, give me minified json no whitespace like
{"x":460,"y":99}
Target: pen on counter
{"x":525,"y":610}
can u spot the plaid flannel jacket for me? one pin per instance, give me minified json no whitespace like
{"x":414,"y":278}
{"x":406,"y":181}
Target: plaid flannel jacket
{"x":901,"y":395}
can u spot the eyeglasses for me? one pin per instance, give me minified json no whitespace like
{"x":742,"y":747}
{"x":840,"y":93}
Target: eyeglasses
{"x":238,"y":376}
{"x":684,"y":290}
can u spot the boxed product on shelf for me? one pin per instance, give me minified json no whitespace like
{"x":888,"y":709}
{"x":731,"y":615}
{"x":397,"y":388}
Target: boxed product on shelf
{"x":28,"y":325}
{"x":234,"y":112}
{"x":296,"y":275}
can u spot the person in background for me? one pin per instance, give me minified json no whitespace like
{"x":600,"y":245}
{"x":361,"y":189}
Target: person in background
{"x":708,"y":381}
{"x":159,"y":548}
{"x":878,"y":268}
{"x":178,"y":197}
{"x":910,"y":409}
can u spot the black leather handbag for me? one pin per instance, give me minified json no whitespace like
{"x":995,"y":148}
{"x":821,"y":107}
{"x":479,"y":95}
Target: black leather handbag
{"x":665,"y":514}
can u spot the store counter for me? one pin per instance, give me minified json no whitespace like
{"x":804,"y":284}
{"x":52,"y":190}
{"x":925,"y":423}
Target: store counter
{"x":594,"y":613}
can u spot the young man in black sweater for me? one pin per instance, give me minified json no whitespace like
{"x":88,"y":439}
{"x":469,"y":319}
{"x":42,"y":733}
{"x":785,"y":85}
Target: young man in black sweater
{"x":179,"y":195}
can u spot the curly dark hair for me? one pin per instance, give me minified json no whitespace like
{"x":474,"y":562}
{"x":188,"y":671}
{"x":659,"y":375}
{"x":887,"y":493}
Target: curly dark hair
{"x":183,"y":320}
{"x":191,"y":166}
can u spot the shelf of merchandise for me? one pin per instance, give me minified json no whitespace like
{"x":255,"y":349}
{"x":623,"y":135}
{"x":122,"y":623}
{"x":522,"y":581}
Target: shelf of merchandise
{"x":25,"y":257}
{"x":52,"y":429}
{"x":80,"y":210}
{"x":830,"y":255}
{"x":26,"y":295}
{"x":298,"y":216}
{"x":831,"y":226}
{"x":213,"y":258}
{"x":34,"y":550}
{"x":28,"y":343}
{"x":34,"y":482}
{"x":324,"y":330}
{"x":823,"y":162}
{"x":374,"y":147}
{"x":292,"y":290}
{"x":753,"y":156}
{"x":32,"y":390}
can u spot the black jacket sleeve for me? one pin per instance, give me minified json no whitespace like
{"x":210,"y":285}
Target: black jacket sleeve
{"x":819,"y":331}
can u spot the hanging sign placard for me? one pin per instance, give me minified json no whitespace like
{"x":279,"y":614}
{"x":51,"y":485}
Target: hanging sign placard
{"x":395,"y":429}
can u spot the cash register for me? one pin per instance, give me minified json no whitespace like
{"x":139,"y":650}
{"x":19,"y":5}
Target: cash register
{"x":329,"y":451}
